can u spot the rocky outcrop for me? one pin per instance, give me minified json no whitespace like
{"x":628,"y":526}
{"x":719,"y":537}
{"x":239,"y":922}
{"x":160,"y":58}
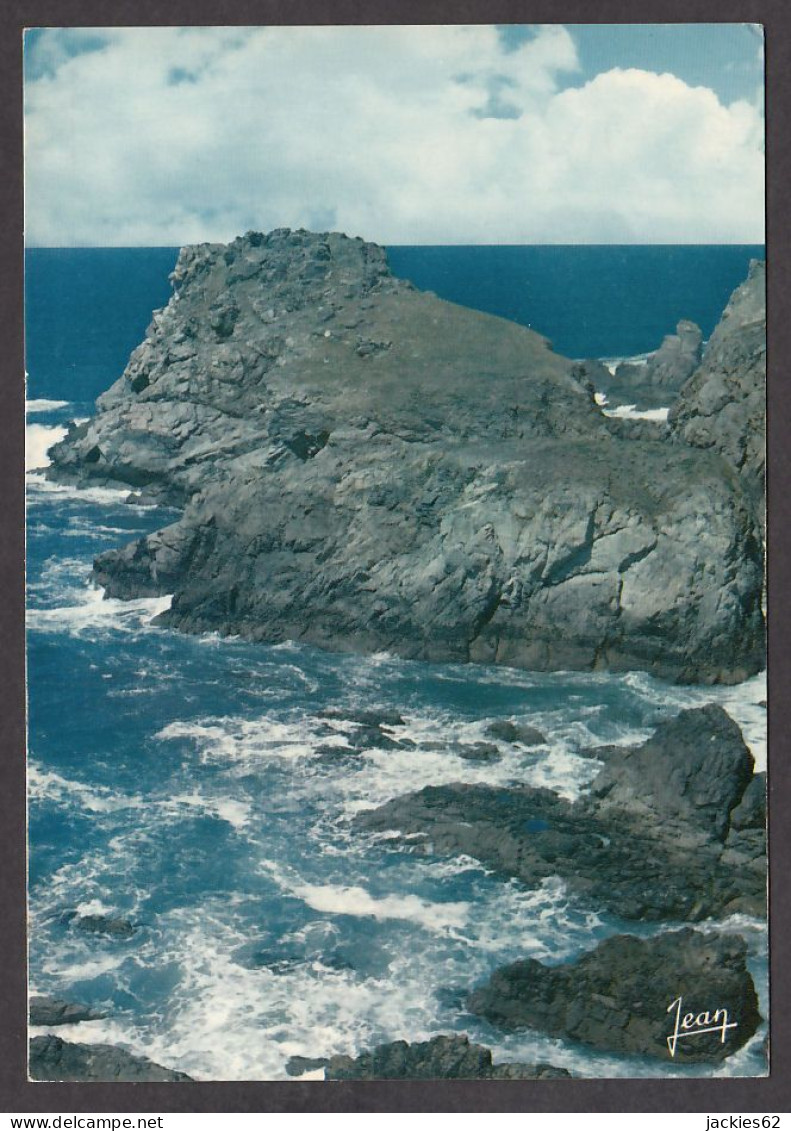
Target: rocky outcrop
{"x":722,"y":407}
{"x":367,"y":468}
{"x":657,"y":380}
{"x":441,"y":1058}
{"x":673,"y":829}
{"x":54,"y":1059}
{"x":623,"y":997}
{"x":45,"y":1010}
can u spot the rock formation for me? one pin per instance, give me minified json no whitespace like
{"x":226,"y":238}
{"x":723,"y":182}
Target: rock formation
{"x":619,"y":997}
{"x":441,"y":1058}
{"x":722,"y":407}
{"x":54,"y":1059}
{"x":672,"y":829}
{"x":658,"y":379}
{"x":365,"y":467}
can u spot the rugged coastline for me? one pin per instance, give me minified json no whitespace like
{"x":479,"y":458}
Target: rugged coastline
{"x":364,"y":467}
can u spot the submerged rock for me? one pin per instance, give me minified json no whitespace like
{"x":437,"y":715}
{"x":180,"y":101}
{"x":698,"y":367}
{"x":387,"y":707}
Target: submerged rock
{"x":100,"y":925}
{"x":54,"y":1059}
{"x":671,"y":829}
{"x":516,"y":733}
{"x":366,"y":467}
{"x":623,"y":997}
{"x":441,"y":1058}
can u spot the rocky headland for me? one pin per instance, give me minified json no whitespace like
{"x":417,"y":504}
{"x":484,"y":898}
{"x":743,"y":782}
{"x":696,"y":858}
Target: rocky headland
{"x":365,"y":467}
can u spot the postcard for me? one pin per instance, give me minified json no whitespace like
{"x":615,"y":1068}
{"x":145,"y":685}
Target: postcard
{"x":395,"y":549}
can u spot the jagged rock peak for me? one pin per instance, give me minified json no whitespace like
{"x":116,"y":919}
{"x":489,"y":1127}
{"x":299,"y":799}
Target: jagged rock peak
{"x":312,"y":256}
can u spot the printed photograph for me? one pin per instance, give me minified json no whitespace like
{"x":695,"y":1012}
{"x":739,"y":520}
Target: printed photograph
{"x":395,"y":454}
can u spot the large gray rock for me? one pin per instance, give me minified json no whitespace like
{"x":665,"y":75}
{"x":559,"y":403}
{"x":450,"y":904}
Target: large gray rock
{"x":54,"y":1059}
{"x":369,"y":468}
{"x":617,"y":997}
{"x":722,"y":407}
{"x":672,"y":829}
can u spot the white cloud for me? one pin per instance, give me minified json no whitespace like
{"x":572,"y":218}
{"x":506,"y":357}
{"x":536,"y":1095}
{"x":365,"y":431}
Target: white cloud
{"x":168,"y":136}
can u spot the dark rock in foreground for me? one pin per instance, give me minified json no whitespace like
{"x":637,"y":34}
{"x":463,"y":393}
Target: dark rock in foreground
{"x":54,"y":1059}
{"x":623,"y":996}
{"x":441,"y":1058}
{"x":672,"y":829}
{"x":368,"y":468}
{"x":45,"y":1010}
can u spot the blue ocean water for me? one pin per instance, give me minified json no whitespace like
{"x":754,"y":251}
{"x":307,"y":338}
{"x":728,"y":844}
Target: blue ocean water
{"x":87,"y":308}
{"x":184,"y":785}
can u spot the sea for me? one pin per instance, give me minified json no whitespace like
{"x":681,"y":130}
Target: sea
{"x":177,"y":784}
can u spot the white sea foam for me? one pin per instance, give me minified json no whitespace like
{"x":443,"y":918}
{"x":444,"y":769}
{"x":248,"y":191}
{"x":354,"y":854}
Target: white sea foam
{"x":39,"y":438}
{"x":632,"y":412}
{"x":231,"y":1021}
{"x":50,"y":786}
{"x":94,"y":613}
{"x":46,"y":784}
{"x":39,"y":487}
{"x":235,"y":811}
{"x":338,"y":899}
{"x":612,"y":363}
{"x":41,"y":404}
{"x":94,"y":907}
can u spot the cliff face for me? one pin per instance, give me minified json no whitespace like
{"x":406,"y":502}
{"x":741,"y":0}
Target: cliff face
{"x":722,"y":407}
{"x":367,"y":467}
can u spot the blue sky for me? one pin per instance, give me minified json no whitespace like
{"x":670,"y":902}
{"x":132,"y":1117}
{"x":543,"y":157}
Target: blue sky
{"x":480,"y":134}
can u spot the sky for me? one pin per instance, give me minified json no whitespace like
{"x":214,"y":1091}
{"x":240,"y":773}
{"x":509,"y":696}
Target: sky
{"x":633,"y":133}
